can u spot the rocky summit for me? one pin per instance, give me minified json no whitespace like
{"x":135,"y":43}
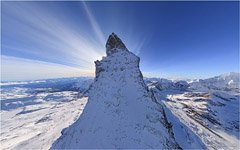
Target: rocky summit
{"x":114,"y":43}
{"x":121,"y":112}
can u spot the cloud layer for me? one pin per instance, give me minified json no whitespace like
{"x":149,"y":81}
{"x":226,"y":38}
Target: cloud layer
{"x":14,"y":68}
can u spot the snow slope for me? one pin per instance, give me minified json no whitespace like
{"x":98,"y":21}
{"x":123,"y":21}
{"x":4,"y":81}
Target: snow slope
{"x":121,"y":112}
{"x":211,"y":113}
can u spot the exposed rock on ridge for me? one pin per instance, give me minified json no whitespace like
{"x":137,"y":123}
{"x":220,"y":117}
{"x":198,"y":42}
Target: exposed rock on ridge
{"x":113,"y":44}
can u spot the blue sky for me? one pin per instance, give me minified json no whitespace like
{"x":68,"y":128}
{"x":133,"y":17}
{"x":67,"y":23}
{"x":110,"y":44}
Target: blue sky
{"x":173,"y":39}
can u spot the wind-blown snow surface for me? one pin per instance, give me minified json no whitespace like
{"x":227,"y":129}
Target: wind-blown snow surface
{"x":34,"y":113}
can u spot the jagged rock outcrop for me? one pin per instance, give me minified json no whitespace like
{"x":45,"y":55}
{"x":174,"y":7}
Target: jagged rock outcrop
{"x":114,"y":44}
{"x":121,"y":112}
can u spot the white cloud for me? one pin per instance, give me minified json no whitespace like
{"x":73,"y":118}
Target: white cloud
{"x":94,"y":24}
{"x":13,"y":68}
{"x":48,"y":37}
{"x":44,"y":35}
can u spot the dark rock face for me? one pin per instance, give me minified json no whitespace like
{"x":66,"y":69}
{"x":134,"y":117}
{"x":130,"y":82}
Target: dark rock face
{"x":98,"y":68}
{"x":113,"y":44}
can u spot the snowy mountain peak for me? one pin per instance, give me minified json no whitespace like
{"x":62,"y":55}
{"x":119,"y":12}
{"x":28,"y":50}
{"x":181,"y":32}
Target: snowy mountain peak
{"x":229,"y":76}
{"x":114,"y":43}
{"x":121,"y":112}
{"x":227,"y":82}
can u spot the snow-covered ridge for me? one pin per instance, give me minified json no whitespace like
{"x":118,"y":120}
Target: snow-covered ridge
{"x":162,"y":84}
{"x":228,"y":82}
{"x":121,"y":112}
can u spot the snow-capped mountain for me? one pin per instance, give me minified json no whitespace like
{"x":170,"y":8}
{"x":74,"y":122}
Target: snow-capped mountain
{"x":121,"y":112}
{"x":163,"y":84}
{"x":227,"y":82}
